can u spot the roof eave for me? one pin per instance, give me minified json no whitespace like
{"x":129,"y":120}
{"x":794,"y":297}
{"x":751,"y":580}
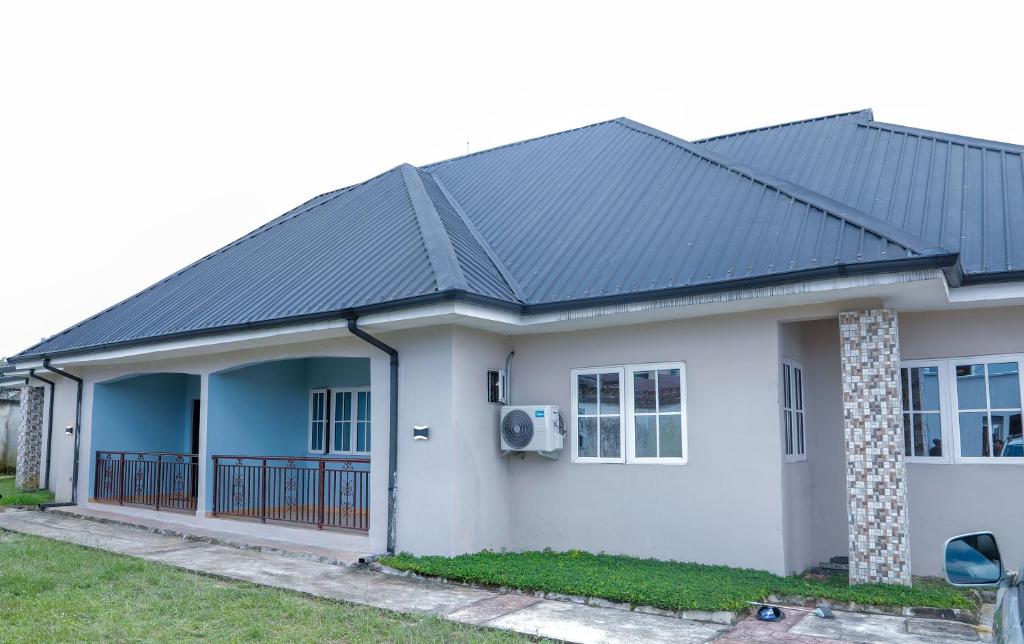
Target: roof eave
{"x":945,"y":261}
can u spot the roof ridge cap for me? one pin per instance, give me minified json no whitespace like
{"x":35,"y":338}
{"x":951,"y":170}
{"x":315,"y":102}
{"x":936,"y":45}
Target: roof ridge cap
{"x":867,"y":110}
{"x":431,"y":166}
{"x":444,"y":262}
{"x":970,"y":141}
{"x":800,"y":193}
{"x":503,"y":270}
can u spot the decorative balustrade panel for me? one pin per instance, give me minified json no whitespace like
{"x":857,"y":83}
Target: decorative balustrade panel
{"x":322,"y":492}
{"x":160,"y":480}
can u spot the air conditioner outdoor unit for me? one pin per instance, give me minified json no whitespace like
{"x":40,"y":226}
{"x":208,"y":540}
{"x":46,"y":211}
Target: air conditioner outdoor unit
{"x":532,"y":428}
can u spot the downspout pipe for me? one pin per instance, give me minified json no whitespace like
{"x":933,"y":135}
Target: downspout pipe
{"x":49,"y":425}
{"x":354,"y":329}
{"x":78,"y":424}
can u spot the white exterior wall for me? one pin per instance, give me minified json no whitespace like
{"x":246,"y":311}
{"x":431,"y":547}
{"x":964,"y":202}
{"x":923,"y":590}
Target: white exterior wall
{"x":947,"y":499}
{"x":722,"y":507}
{"x":796,"y":475}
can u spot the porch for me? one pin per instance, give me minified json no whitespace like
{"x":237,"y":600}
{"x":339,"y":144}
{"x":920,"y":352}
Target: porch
{"x":280,"y":443}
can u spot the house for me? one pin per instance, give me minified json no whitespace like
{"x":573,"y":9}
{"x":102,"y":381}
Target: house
{"x":769,"y":348}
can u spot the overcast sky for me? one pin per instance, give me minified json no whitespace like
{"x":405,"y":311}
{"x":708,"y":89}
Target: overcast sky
{"x":137,"y":137}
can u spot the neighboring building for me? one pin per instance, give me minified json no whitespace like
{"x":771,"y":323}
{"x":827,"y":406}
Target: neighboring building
{"x":10,"y":415}
{"x":769,"y":348}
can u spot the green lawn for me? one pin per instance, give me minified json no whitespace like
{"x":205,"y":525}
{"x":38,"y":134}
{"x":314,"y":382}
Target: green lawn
{"x":53,"y":591}
{"x":665,"y":584}
{"x":10,"y":495}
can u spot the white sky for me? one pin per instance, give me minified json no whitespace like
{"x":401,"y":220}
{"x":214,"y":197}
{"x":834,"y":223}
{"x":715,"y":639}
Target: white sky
{"x":136,"y":137}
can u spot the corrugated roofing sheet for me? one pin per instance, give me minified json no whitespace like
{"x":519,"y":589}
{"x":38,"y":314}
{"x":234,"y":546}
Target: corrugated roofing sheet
{"x":611,"y":210}
{"x":957,"y":192}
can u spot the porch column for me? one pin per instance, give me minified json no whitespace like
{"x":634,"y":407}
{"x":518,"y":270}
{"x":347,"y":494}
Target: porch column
{"x":30,"y":439}
{"x":876,"y":486}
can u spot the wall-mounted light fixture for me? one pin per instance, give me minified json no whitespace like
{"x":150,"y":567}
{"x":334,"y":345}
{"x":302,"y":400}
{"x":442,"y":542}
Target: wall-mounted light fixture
{"x":420,"y":432}
{"x":69,"y":430}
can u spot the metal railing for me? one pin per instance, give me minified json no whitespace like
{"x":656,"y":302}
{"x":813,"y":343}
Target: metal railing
{"x":321,"y":492}
{"x":159,"y":480}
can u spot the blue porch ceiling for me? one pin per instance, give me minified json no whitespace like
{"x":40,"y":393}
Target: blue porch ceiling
{"x":607,"y":211}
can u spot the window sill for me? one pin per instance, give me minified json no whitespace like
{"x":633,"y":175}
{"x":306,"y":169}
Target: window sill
{"x":639,"y":461}
{"x":796,"y":458}
{"x":967,"y":460}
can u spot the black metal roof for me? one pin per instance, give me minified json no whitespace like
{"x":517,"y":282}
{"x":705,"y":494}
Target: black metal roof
{"x":611,"y":211}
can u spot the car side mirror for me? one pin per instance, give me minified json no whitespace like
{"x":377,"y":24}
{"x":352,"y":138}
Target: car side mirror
{"x":973,"y":560}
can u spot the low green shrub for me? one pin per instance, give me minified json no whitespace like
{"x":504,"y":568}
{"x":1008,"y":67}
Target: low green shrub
{"x":665,"y":584}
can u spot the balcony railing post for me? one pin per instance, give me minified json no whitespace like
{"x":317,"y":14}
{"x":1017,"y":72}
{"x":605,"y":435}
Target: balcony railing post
{"x":159,"y":479}
{"x":120,"y":482}
{"x":216,"y":489}
{"x":263,"y":492}
{"x":320,"y":495}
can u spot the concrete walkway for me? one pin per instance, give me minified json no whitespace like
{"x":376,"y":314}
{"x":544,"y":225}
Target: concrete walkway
{"x":324,"y":574}
{"x":527,"y":615}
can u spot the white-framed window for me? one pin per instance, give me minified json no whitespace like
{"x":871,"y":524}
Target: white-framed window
{"x":793,"y":422}
{"x":597,"y":415}
{"x":350,"y":432}
{"x":963,"y":410}
{"x":318,"y":401}
{"x":629,"y":414}
{"x":922,"y":384}
{"x":339,"y":421}
{"x":987,"y":395}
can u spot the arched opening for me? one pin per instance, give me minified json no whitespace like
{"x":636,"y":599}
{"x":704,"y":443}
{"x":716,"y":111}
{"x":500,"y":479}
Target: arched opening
{"x":288,"y":441}
{"x":145,"y":441}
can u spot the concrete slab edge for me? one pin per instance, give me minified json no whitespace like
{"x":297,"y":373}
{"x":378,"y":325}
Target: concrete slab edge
{"x":923,"y":612}
{"x":723,"y":617}
{"x":188,"y":536}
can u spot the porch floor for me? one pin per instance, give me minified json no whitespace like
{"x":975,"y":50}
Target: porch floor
{"x":240,"y":540}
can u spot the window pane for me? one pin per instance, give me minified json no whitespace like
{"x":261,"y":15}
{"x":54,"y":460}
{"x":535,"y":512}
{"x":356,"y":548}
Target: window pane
{"x":316,"y":441}
{"x":787,"y":379}
{"x":366,"y":445}
{"x":798,"y":388}
{"x":609,"y":393}
{"x":346,"y":409}
{"x":908,"y":442}
{"x":610,"y":447}
{"x":362,"y":438}
{"x":970,"y":386}
{"x":646,"y":436}
{"x":364,"y":411}
{"x":586,"y":386}
{"x":670,"y":436}
{"x":926,"y":391}
{"x":927,"y":436}
{"x":1006,"y":433}
{"x":587,"y":443}
{"x":643,"y":392}
{"x":669,"y":394}
{"x":1014,"y":445}
{"x":346,"y":436}
{"x":974,"y":439}
{"x":800,"y":433}
{"x":789,"y":432}
{"x":932,"y":432}
{"x":318,"y":406}
{"x":1004,"y":385}
{"x":904,"y":380}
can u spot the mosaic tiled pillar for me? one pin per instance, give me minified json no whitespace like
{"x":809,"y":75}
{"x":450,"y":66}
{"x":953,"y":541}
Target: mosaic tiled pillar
{"x":876,"y":482}
{"x":30,"y":439}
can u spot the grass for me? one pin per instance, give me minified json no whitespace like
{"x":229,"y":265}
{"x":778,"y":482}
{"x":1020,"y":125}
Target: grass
{"x":53,"y":591}
{"x":10,"y":495}
{"x":665,"y":584}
